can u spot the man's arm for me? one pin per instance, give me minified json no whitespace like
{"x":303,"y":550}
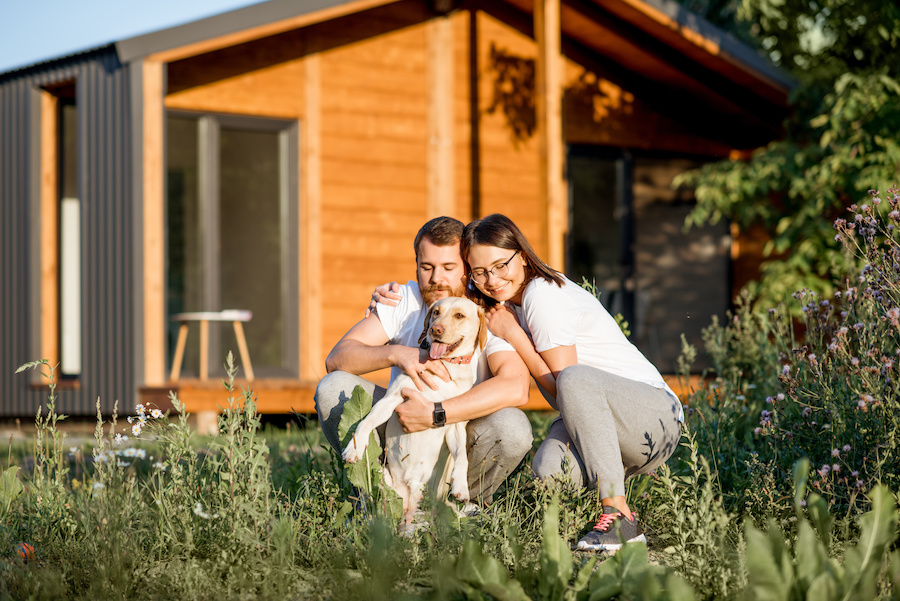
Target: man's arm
{"x":507,"y":388}
{"x":365,"y":348}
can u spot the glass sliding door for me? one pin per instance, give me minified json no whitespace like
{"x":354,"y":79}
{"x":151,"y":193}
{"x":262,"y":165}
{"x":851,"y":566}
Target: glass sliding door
{"x":231,"y":235}
{"x":626,"y":234}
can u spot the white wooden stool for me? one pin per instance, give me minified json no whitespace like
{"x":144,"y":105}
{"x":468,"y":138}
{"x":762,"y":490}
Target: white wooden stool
{"x":235,"y":316}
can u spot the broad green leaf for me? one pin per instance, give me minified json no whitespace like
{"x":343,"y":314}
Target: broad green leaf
{"x":765,"y":579}
{"x":10,"y":488}
{"x":878,"y":529}
{"x":556,"y":558}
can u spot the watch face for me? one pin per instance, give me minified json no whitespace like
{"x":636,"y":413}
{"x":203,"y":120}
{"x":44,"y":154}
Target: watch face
{"x":440,"y":418}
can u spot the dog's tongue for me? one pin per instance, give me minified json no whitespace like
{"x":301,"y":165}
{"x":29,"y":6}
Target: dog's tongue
{"x":438,"y":350}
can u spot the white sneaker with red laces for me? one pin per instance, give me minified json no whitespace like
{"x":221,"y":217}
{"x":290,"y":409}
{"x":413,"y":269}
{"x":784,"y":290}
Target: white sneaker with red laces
{"x":612,"y":531}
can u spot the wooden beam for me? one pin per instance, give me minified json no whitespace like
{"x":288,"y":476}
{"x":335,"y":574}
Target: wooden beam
{"x":548,"y":103}
{"x":312,"y":361}
{"x":262,"y":31}
{"x":49,"y":228}
{"x":154,"y":348}
{"x":441,"y":175}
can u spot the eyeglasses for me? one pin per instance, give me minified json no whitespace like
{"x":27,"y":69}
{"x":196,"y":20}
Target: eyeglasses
{"x":498,"y":271}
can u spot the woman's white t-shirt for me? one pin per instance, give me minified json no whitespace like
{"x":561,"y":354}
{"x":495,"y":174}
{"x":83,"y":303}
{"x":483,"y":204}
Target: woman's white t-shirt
{"x":570,"y":315}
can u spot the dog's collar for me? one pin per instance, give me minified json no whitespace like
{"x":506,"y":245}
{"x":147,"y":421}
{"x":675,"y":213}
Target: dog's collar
{"x":459,"y":360}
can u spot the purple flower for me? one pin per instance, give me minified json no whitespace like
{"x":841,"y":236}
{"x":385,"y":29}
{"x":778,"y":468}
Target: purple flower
{"x":780,"y":396}
{"x":835,"y":453}
{"x":846,"y":448}
{"x":835,"y":468}
{"x":757,"y":431}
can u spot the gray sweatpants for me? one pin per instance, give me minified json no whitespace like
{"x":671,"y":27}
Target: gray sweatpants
{"x":609,"y":428}
{"x":495,"y":443}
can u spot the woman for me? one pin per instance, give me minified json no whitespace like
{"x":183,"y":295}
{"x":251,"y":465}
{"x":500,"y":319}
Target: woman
{"x":617,"y":417}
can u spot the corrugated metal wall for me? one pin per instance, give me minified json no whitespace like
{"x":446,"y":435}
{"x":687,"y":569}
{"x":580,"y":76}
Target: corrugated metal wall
{"x":107,"y":224}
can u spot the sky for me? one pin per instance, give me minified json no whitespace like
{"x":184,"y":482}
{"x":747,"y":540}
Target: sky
{"x":32,"y":31}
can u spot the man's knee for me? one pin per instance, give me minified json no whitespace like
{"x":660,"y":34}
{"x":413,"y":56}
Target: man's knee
{"x":328,"y":392}
{"x":508,"y":429}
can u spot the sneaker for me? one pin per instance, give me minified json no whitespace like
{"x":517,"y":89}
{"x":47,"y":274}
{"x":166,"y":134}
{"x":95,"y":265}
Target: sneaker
{"x":611,"y":532}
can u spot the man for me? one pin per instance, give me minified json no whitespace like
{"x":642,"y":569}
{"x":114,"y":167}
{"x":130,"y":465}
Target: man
{"x":498,"y":433}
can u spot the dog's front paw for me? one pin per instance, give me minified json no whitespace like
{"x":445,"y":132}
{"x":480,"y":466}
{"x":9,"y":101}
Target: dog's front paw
{"x":459,"y":488}
{"x":352,"y":453}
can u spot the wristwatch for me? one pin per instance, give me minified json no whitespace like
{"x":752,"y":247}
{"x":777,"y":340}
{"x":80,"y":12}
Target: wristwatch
{"x":440,"y":418}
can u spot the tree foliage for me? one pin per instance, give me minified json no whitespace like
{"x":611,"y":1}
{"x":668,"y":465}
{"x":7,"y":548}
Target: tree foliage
{"x":840,"y":139}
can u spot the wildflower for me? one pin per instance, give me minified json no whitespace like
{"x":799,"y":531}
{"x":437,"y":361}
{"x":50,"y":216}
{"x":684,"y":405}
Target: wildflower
{"x":835,"y":453}
{"x":780,"y":396}
{"x":803,"y":503}
{"x":861,"y":404}
{"x":806,"y":411}
{"x":854,"y":474}
{"x":895,"y":215}
{"x":824,"y":470}
{"x":123,"y":463}
{"x":159,"y":466}
{"x":99,"y":485}
{"x":854,"y":361}
{"x":198,"y":511}
{"x":769,"y":400}
{"x":835,"y":468}
{"x":757,"y":431}
{"x":136,"y":429}
{"x":119,"y":439}
{"x":156,"y":414}
{"x":846,"y":448}
{"x":786,"y":369}
{"x":73,"y":450}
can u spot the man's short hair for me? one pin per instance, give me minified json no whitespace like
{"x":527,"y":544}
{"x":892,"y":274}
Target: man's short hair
{"x":440,"y":231}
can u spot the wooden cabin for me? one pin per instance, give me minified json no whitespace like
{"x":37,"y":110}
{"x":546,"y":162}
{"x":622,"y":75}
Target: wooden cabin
{"x":279,"y":159}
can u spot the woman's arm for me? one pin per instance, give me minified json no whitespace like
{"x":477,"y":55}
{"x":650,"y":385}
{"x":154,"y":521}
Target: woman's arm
{"x":545,"y":367}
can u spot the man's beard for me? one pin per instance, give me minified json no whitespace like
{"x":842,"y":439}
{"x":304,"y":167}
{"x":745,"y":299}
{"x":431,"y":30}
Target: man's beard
{"x":429,"y":293}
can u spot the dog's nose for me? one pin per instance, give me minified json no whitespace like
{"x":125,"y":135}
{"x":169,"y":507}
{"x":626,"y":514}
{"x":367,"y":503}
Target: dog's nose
{"x":437,"y":330}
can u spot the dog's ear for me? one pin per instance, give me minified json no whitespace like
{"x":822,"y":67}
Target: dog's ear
{"x":482,"y":329}
{"x":424,"y":335}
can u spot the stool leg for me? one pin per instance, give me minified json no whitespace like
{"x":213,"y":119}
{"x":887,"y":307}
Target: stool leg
{"x":242,"y":347}
{"x":179,"y":351}
{"x":204,"y":349}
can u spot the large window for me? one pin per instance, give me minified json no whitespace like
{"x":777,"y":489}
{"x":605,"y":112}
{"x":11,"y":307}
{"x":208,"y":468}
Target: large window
{"x":231,"y":228}
{"x":626,"y":234}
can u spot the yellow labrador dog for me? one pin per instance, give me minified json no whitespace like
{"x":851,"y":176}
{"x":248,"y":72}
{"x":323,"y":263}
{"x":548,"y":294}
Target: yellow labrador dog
{"x":456,"y":332}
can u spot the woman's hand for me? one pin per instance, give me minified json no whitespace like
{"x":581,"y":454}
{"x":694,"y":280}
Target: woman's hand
{"x":386,"y":294}
{"x":502,"y":321}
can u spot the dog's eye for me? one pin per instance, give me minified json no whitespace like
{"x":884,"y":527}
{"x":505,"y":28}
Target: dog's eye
{"x":459,"y":316}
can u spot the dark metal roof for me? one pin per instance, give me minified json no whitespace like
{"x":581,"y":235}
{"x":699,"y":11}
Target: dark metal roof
{"x":44,"y":64}
{"x":728,"y":44}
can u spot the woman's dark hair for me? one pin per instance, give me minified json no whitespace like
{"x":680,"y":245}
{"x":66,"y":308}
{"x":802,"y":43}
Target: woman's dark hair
{"x":499,"y":230}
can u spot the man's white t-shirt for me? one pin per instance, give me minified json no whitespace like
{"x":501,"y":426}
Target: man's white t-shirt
{"x":404,"y":323}
{"x":570,"y":315}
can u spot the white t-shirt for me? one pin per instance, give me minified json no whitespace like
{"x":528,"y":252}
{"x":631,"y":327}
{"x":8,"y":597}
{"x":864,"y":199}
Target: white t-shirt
{"x":570,"y":315}
{"x":404,"y":323}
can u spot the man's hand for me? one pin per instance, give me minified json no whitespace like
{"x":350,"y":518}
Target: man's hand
{"x":423,"y":371}
{"x":386,"y":294}
{"x":416,"y":413}
{"x":502,"y":321}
